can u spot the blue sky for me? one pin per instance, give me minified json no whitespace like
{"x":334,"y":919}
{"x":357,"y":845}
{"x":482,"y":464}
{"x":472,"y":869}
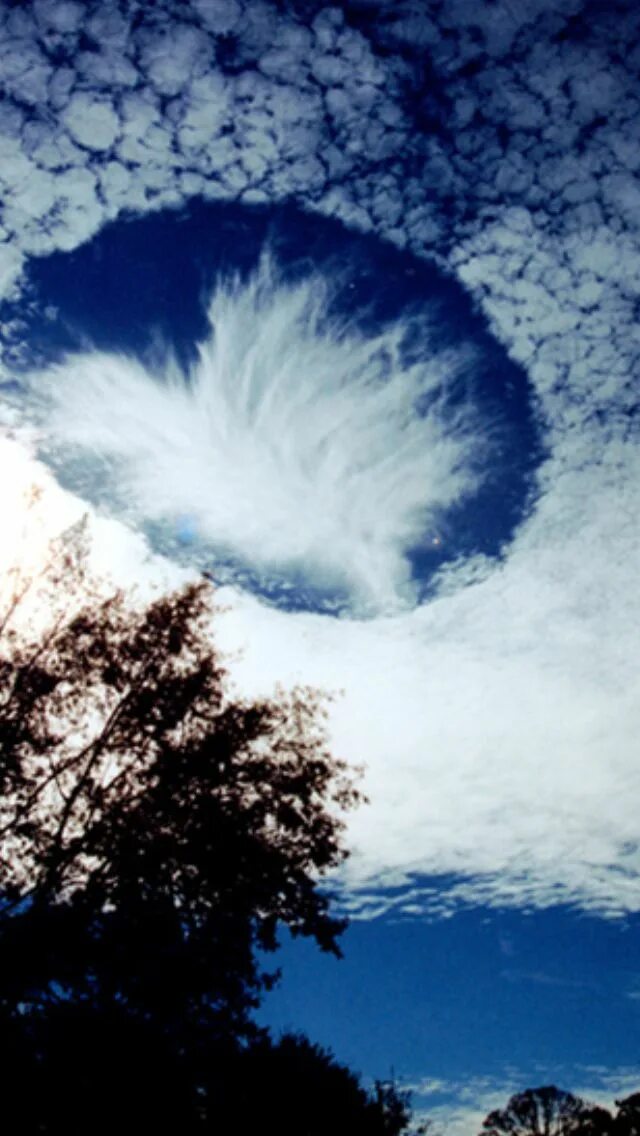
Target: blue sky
{"x":513,"y":999}
{"x":404,"y":440}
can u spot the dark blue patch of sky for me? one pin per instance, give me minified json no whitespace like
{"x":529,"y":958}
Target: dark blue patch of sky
{"x":141,"y":287}
{"x":470,"y":996}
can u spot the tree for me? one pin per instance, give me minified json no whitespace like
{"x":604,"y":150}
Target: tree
{"x":627,"y":1121}
{"x":155,"y":832}
{"x":155,"y":828}
{"x":300,"y":1089}
{"x":546,"y":1111}
{"x":596,"y":1121}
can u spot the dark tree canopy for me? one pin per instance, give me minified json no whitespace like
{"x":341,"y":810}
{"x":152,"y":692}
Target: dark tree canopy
{"x":151,"y":821}
{"x":549,"y":1111}
{"x":545,"y":1111}
{"x":155,"y":832}
{"x":628,"y":1116}
{"x":322,"y":1096}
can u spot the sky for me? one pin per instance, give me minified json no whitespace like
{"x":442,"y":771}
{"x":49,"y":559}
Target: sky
{"x":340,"y":303}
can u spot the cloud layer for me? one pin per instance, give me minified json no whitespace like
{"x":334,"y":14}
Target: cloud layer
{"x":499,"y":723}
{"x":460,"y":1108}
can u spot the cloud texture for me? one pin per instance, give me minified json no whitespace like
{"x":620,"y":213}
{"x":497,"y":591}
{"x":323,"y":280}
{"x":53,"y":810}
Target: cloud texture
{"x":297,"y":444}
{"x":499,"y":724}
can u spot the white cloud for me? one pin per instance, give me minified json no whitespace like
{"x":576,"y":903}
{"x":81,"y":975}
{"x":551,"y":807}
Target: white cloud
{"x":504,"y":716}
{"x":499,"y":723}
{"x":205,"y":110}
{"x":24,"y":69}
{"x":11,"y":261}
{"x":222,"y":17}
{"x":172,"y":56}
{"x":91,"y":122}
{"x":60,"y":15}
{"x":35,"y":511}
{"x":296,"y":446}
{"x":458,"y":1108}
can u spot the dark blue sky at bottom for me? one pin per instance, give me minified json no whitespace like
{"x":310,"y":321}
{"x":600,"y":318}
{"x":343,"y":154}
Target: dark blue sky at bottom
{"x":469,"y":996}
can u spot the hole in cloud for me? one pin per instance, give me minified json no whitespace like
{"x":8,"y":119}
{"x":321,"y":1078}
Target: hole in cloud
{"x":300,"y":410}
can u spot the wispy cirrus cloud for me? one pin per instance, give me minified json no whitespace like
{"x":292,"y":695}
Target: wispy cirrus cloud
{"x":296,"y":445}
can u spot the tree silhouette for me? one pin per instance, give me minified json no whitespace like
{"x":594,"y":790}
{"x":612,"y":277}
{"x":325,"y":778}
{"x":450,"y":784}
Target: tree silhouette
{"x":597,"y":1121}
{"x":628,"y":1116}
{"x":155,"y":832}
{"x":545,"y":1111}
{"x":299,"y":1089}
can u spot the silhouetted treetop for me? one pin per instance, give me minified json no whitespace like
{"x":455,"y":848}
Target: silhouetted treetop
{"x":150,"y":816}
{"x":545,"y":1111}
{"x":300,"y":1089}
{"x":628,"y":1116}
{"x":155,"y":831}
{"x":549,"y":1111}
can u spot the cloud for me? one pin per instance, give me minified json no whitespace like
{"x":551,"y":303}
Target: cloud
{"x":459,"y":1107}
{"x":298,"y":445}
{"x":501,"y":747}
{"x":498,"y":723}
{"x":91,"y":122}
{"x":35,"y":512}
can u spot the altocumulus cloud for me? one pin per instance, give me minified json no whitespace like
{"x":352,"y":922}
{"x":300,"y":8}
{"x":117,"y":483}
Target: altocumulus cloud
{"x":498,"y":721}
